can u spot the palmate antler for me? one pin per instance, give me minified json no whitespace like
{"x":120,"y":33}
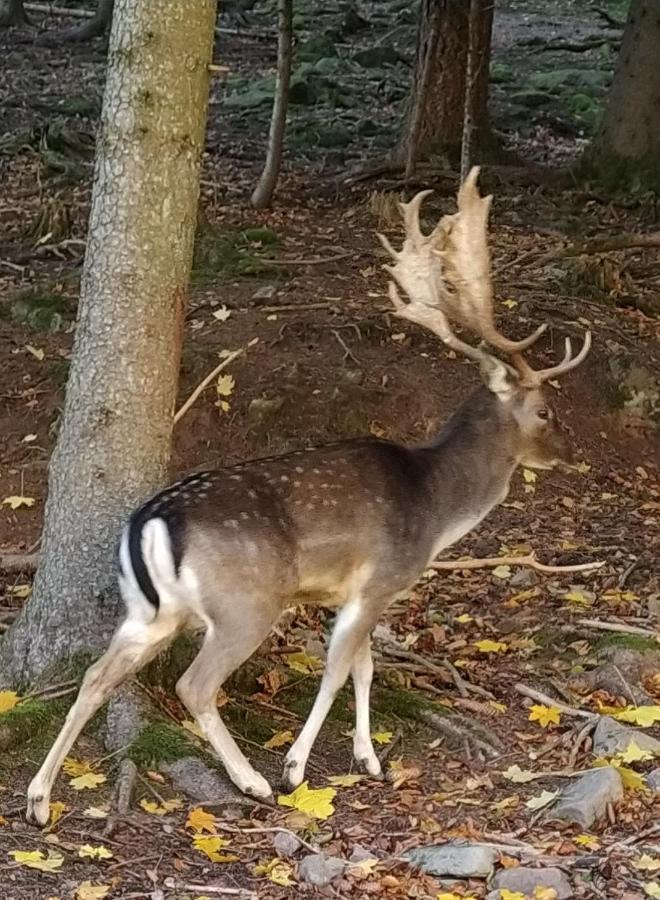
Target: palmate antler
{"x":446,"y":276}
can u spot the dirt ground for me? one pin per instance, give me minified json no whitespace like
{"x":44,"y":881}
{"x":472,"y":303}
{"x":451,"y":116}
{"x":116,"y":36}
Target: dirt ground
{"x":329,"y":362}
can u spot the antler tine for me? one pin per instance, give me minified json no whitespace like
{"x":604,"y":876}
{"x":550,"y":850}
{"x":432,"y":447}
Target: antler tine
{"x":535,"y":377}
{"x":410,"y":214}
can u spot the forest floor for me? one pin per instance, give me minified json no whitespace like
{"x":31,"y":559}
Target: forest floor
{"x":305,"y":281}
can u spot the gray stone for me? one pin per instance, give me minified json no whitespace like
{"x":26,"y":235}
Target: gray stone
{"x":193,"y":777}
{"x":586,"y":799}
{"x":461,"y":859}
{"x":319,"y":869}
{"x":265,"y":292}
{"x":286,"y":844}
{"x":126,"y":716}
{"x":653,"y":780}
{"x":611,"y":737}
{"x":525,"y":881}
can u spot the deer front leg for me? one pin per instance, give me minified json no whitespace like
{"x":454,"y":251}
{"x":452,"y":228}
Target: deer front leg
{"x":362,"y":672}
{"x":354,"y":622}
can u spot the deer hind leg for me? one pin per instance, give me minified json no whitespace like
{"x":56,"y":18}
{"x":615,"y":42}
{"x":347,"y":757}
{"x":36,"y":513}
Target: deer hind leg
{"x":353,"y":624}
{"x":223,"y":650}
{"x":362,"y":672}
{"x":132,"y":646}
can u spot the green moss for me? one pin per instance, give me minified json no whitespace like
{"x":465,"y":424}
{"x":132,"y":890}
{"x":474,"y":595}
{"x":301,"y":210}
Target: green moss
{"x":391,"y":701}
{"x":231,"y":254}
{"x":31,"y":721}
{"x":160,"y":743}
{"x":620,"y":174}
{"x":38,"y":310}
{"x":628,"y":641}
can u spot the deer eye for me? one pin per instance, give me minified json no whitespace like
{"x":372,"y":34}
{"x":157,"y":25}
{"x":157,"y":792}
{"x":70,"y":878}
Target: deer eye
{"x":543,"y":413}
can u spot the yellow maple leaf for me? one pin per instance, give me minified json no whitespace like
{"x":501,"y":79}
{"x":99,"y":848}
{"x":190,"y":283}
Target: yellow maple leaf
{"x":96,"y":812}
{"x":545,"y":715}
{"x":158,"y":809}
{"x":22,"y":591}
{"x":464,"y":618}
{"x":634,"y":753}
{"x":56,"y":811}
{"x":16,"y":502}
{"x":88,"y":891}
{"x":8,"y":700}
{"x":652,"y":889}
{"x":517,"y":775}
{"x":277,"y":870}
{"x":304,"y":663}
{"x":543,"y":799}
{"x":647,"y":863}
{"x":88,"y":781}
{"x":544,"y":893}
{"x":511,"y":895}
{"x":640,"y":715}
{"x":382,"y":737}
{"x":73,"y":766}
{"x":225,"y":385}
{"x":588,"y":841}
{"x":35,"y":859}
{"x":502,"y":572}
{"x":529,"y":476}
{"x":91,"y":852}
{"x":279,"y":740}
{"x":314,"y":803}
{"x":578,"y":598}
{"x":345,"y":780}
{"x":364,"y":867}
{"x":631,"y":779}
{"x":488,"y":646}
{"x":200,"y":820}
{"x":210,"y":845}
{"x":400,"y":773}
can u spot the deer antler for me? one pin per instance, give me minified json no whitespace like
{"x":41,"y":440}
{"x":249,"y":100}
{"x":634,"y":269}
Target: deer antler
{"x":534,"y":377}
{"x":446,"y":274}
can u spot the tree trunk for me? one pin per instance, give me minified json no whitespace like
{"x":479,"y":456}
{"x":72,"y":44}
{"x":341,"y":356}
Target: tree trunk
{"x":12,"y":13}
{"x":628,"y":142}
{"x":114,"y":442}
{"x":436,"y":106}
{"x":262,"y":195}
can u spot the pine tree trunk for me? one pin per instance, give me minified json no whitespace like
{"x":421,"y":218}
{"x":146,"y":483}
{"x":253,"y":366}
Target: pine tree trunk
{"x":628,"y":142}
{"x":12,"y":13}
{"x":435,"y":112}
{"x":114,"y":442}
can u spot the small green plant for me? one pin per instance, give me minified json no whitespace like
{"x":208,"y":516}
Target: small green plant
{"x":221,"y":254}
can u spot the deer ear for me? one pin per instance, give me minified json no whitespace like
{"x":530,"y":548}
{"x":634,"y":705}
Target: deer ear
{"x":498,"y":378}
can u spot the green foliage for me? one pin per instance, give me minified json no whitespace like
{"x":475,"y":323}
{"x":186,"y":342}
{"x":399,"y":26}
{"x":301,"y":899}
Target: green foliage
{"x":160,"y":743}
{"x":231,"y":254}
{"x":29,"y":721}
{"x":556,"y":81}
{"x":80,"y":106}
{"x":628,"y":642}
{"x":501,"y":73}
{"x":38,"y":310}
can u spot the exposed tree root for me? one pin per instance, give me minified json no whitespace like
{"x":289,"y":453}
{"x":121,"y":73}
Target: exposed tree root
{"x":476,"y":739}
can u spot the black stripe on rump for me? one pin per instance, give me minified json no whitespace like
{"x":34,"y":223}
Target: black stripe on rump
{"x":137,"y":561}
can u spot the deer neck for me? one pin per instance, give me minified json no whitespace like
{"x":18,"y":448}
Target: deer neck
{"x":470,"y":464}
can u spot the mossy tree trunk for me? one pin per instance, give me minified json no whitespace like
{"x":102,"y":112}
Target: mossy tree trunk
{"x":435,"y":111}
{"x":115,"y":435}
{"x":12,"y":13}
{"x":628,"y":142}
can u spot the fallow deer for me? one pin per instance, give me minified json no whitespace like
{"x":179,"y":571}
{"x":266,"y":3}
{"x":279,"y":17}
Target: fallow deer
{"x":350,"y":525}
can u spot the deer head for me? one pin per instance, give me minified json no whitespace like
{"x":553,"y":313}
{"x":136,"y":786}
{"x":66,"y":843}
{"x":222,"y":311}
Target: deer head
{"x":446,"y":276}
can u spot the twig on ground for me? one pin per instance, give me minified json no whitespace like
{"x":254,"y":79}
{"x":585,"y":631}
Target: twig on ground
{"x":59,"y":690}
{"x":348,"y":353}
{"x":627,"y":572}
{"x":388,"y":749}
{"x":270,"y":829}
{"x":19,"y":562}
{"x":602,"y":245}
{"x":313,"y":261}
{"x":49,"y":9}
{"x":124,"y":787}
{"x":459,"y":731}
{"x":201,"y":387}
{"x":295,"y":307}
{"x":583,"y":733}
{"x":463,"y":686}
{"x":529,"y":560}
{"x":619,"y":627}
{"x":242,"y":893}
{"x":540,"y":697}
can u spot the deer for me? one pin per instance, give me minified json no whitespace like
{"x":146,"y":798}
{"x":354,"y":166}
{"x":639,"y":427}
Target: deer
{"x":350,"y":525}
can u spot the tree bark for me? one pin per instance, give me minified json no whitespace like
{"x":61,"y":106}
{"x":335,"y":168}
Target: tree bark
{"x":114,"y":442}
{"x":629,"y":137}
{"x":12,"y":13}
{"x":262,"y":195}
{"x":95,"y":27}
{"x":435,"y":110}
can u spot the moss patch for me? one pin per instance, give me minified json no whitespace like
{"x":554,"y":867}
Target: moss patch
{"x":160,"y":743}
{"x":39,"y":310}
{"x":231,"y":254}
{"x":628,"y":641}
{"x":33,"y":721}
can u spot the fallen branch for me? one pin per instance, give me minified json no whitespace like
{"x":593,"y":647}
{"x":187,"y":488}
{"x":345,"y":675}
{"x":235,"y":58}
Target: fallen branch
{"x":603,"y":245}
{"x":314,"y":261}
{"x":463,"y":686}
{"x":201,"y":387}
{"x":530,"y":561}
{"x":49,"y":10}
{"x":242,"y":893}
{"x":620,"y":627}
{"x":460,"y":732}
{"x":540,"y":697}
{"x":19,"y":562}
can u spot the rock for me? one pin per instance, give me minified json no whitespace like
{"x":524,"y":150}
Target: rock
{"x":525,"y":881}
{"x":319,"y":869}
{"x":375,"y":57}
{"x":524,"y":578}
{"x":460,"y":859}
{"x":286,"y":844}
{"x":612,"y":737}
{"x":360,"y":853}
{"x":193,"y":777}
{"x":653,"y":780}
{"x":264,"y":293}
{"x":126,"y":716}
{"x":586,"y":799}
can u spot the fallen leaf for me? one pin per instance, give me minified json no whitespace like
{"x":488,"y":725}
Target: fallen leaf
{"x":382,"y":737}
{"x":364,"y":867}
{"x":8,"y":700}
{"x":22,"y":591}
{"x":545,"y":715}
{"x":200,"y":820}
{"x":225,"y":385}
{"x":502,"y":572}
{"x":98,"y":852}
{"x":588,"y":841}
{"x":193,"y":728}
{"x":56,"y":810}
{"x":633,"y":753}
{"x":304,"y":663}
{"x":543,"y":799}
{"x":279,"y":740}
{"x":96,"y":812}
{"x":517,"y":775}
{"x":37,"y":352}
{"x":529,"y":476}
{"x":488,"y":646}
{"x":278,"y":871}
{"x":464,"y":619}
{"x":16,"y":501}
{"x":400,"y":773}
{"x":314,"y":803}
{"x":345,"y":780}
{"x":510,"y":304}
{"x":88,"y":891}
{"x":35,"y":859}
{"x":578,"y":598}
{"x":210,"y":845}
{"x":647,"y":863}
{"x":544,"y":893}
{"x":640,"y":715}
{"x":222,"y":314}
{"x":511,"y":895}
{"x":160,"y":809}
{"x":73,"y":766}
{"x":88,"y":781}
{"x":631,"y":779}
{"x":583,"y":468}
{"x":652,"y":889}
